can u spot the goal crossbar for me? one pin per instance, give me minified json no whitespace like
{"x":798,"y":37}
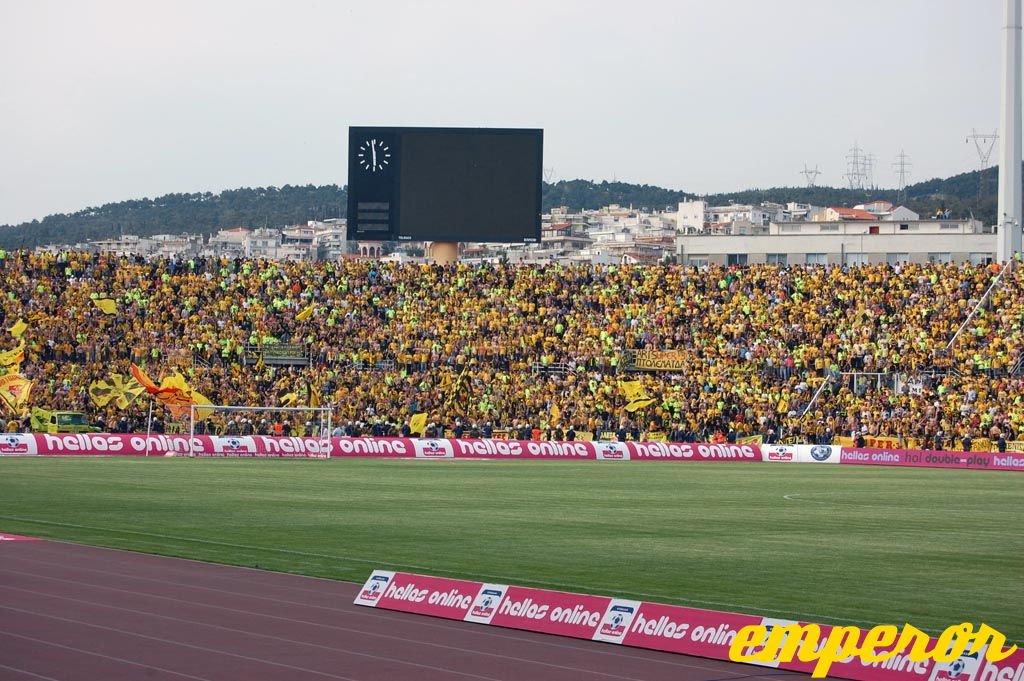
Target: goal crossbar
{"x":193,"y":408}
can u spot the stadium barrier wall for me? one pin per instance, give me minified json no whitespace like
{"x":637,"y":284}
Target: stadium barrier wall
{"x":313,"y":447}
{"x":641,"y":624}
{"x":27,"y":444}
{"x":1009,"y":461}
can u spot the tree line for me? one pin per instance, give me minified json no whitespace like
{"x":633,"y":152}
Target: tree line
{"x":206,"y":213}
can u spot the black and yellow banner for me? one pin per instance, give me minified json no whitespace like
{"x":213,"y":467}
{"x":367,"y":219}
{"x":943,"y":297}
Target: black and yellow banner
{"x":636,"y":396}
{"x":654,"y":360}
{"x":120,"y":390}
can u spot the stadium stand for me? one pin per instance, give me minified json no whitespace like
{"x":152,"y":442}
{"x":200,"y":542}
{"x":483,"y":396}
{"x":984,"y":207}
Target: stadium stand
{"x":535,"y":349}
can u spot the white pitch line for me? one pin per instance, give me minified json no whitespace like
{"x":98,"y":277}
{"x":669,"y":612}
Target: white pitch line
{"x":501,"y":579}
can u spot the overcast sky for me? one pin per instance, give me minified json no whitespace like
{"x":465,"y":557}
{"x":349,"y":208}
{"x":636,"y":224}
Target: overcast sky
{"x":104,"y":101}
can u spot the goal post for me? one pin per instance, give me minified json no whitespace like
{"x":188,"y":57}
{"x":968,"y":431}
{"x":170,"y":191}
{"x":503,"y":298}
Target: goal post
{"x":322,"y":424}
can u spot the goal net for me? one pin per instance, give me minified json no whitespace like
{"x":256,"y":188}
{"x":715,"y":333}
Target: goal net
{"x":239,"y":422}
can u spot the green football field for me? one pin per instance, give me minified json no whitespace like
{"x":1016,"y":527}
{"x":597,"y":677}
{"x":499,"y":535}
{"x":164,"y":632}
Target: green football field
{"x":850,"y":544}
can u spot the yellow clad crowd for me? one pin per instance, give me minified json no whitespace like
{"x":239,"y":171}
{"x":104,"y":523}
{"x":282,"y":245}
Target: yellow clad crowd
{"x":538,"y":350}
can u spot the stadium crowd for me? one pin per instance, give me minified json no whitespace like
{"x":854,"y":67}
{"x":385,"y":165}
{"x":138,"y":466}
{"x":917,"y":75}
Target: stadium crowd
{"x":536,"y":350}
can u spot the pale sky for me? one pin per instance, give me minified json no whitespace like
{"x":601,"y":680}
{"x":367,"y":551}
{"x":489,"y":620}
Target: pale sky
{"x":105,"y":101}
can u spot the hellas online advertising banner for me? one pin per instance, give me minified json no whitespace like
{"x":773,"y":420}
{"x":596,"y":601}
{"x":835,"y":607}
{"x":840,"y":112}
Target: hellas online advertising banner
{"x":675,"y":629}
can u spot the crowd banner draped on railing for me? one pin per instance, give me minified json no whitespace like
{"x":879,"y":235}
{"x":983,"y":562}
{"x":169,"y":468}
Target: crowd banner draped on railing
{"x":655,"y":360}
{"x":264,"y":446}
{"x":640,"y":624}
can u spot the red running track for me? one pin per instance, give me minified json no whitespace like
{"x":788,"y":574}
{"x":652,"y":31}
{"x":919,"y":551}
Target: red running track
{"x":80,"y":613}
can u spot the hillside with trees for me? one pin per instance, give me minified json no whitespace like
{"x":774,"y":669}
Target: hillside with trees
{"x":201,"y":213}
{"x":206,"y":213}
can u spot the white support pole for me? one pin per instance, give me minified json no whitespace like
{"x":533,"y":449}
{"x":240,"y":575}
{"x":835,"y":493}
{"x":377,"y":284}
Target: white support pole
{"x":1008,"y":215}
{"x":149,"y":425}
{"x":191,"y":429}
{"x":327,"y":435}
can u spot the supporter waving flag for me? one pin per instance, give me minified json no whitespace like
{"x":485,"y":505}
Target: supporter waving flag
{"x":144,"y":380}
{"x":13,"y":358}
{"x":636,"y":396}
{"x":115,"y":389}
{"x":14,"y":392}
{"x":418,"y":423}
{"x":106,"y":305}
{"x":174,"y":392}
{"x":18,"y":328}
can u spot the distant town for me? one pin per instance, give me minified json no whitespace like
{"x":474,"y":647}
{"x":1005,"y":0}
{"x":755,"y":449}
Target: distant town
{"x":694,"y":234}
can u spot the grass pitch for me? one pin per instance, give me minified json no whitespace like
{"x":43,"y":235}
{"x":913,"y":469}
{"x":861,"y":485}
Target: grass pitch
{"x":834,"y":544}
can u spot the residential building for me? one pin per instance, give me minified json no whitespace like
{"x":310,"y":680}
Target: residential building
{"x":844,"y":242}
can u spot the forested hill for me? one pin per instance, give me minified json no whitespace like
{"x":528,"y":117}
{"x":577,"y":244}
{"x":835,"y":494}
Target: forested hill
{"x":206,"y":213}
{"x":203,"y":213}
{"x":958,"y":193}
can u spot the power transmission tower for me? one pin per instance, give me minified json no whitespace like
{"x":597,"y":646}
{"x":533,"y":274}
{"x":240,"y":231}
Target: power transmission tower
{"x":855,"y":167}
{"x":868,"y":170}
{"x":810,"y":175}
{"x":984,"y":144}
{"x":902,"y":168}
{"x":548,"y":174}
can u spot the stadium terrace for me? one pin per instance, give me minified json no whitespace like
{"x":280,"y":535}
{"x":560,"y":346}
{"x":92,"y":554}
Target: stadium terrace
{"x":821,"y":354}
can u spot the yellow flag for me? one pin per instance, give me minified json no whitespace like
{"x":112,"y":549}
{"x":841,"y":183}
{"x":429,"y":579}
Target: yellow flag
{"x":39,"y":418}
{"x":107,"y":305}
{"x":174,"y":383}
{"x":286,"y":397}
{"x":176,"y":394}
{"x":636,"y":396}
{"x":305,"y":314}
{"x":199,"y":398}
{"x":100,"y":393}
{"x":144,"y":379}
{"x":115,"y":389}
{"x":631,"y":389}
{"x":750,"y":440}
{"x":556,"y":413}
{"x":13,"y":357}
{"x":418,"y":423}
{"x":14,"y":391}
{"x":19,"y":328}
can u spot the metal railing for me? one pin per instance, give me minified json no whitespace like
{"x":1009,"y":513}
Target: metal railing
{"x":817,"y":394}
{"x":981,"y":303}
{"x":1018,"y":368}
{"x":554,"y":368}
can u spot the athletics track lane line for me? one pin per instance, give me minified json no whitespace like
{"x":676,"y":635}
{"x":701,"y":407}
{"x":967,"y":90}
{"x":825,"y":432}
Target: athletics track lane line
{"x":348,"y":609}
{"x":321,"y":626}
{"x":477,"y":576}
{"x":726,"y":670}
{"x":347,"y":598}
{"x":182,"y":620}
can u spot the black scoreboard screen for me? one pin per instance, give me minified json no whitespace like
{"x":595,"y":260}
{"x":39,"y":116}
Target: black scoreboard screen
{"x":445,"y":184}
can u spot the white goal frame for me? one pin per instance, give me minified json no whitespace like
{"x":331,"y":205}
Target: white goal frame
{"x":324,"y":437}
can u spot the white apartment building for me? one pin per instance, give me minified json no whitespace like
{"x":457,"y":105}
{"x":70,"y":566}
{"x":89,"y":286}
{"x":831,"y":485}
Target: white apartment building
{"x":566,"y":236}
{"x":131,"y":245}
{"x":229,"y":242}
{"x":695,"y":216}
{"x":844,"y":242}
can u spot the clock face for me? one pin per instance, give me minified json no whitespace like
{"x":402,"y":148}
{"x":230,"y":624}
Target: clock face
{"x":374,"y":155}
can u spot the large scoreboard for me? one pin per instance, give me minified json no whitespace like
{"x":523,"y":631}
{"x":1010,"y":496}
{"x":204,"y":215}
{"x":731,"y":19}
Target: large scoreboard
{"x":445,"y":184}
